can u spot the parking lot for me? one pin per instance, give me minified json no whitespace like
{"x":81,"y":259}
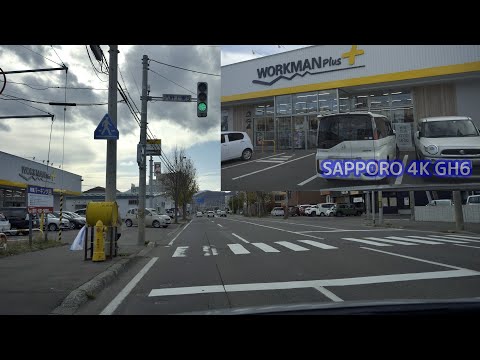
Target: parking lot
{"x":296,"y":170}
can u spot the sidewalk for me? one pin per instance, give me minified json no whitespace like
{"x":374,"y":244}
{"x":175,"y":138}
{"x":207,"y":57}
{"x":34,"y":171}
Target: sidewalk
{"x":38,"y":282}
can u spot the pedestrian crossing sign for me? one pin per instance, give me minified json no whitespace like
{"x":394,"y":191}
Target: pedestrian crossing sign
{"x":106,"y":129}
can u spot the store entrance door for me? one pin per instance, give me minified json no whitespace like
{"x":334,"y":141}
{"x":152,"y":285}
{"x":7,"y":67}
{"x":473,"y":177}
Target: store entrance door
{"x":284,"y":133}
{"x":299,"y":132}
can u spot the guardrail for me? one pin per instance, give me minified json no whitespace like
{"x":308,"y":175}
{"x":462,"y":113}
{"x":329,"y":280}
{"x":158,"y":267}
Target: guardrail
{"x":263,"y":141}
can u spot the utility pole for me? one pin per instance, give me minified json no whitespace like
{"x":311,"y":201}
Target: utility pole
{"x":380,"y":208}
{"x":151,"y":181}
{"x":457,"y":202}
{"x":111,"y":176}
{"x":143,"y":161}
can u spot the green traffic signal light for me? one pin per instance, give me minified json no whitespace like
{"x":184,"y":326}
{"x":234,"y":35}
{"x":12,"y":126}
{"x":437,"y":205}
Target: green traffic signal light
{"x":202,"y":106}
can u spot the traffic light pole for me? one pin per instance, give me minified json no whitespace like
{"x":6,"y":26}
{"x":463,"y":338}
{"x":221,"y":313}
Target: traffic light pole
{"x":143,"y":163}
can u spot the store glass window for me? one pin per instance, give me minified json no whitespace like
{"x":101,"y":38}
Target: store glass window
{"x":344,"y":101}
{"x":260,"y":110}
{"x":305,"y":103}
{"x":401,"y":99}
{"x":327,"y":102}
{"x":379,"y":100}
{"x":269,"y":111}
{"x":284,"y":105}
{"x":402,"y":115}
{"x":360,"y":103}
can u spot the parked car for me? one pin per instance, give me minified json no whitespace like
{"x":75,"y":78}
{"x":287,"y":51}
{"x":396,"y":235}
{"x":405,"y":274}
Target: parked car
{"x":318,"y":209}
{"x":294,"y":211}
{"x":236,"y":144}
{"x":312,"y":210}
{"x":210,"y":213}
{"x":303,"y":207}
{"x":5,"y":225}
{"x":18,"y":219}
{"x":81,"y":212}
{"x":277,"y":211}
{"x":54,"y":223}
{"x":167,"y":218}
{"x":473,"y":200}
{"x":355,"y":135}
{"x":152,"y":218}
{"x":199,"y":214}
{"x":74,"y":222}
{"x":448,"y":138}
{"x":440,"y":202}
{"x":343,"y":209}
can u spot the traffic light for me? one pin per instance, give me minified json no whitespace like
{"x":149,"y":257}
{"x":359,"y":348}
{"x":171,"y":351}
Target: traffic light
{"x":202,"y":97}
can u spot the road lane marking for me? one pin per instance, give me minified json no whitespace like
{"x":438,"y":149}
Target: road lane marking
{"x":175,"y":238}
{"x":429,"y":242}
{"x":475,"y":247}
{"x":288,"y":285}
{"x":271,"y":227}
{"x":291,"y":246}
{"x":460,"y":238}
{"x":399,"y":179}
{"x":239,"y":237}
{"x":390,"y":241}
{"x":417,"y":259}
{"x":250,"y":162}
{"x":214,"y":250}
{"x":206,"y":250}
{"x":271,"y":167}
{"x":187,"y":290}
{"x":238,"y":249}
{"x":465,"y":236}
{"x":110,"y":308}
{"x":220,"y":225}
{"x":366,"y":242}
{"x":318,"y":244}
{"x":271,"y":161}
{"x":265,"y":247}
{"x":328,"y":294}
{"x":429,"y":238}
{"x":308,"y":180}
{"x":180,"y":251}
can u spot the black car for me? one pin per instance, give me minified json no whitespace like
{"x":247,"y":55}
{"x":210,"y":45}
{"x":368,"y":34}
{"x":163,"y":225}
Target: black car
{"x":75,"y":222}
{"x":18,"y":217}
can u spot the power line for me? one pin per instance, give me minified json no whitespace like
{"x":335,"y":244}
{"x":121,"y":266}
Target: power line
{"x":178,"y":67}
{"x":30,"y":106}
{"x":42,"y":55}
{"x":93,"y":65}
{"x":48,"y":103}
{"x":52,"y":87}
{"x":171,"y":81}
{"x":63,"y":64}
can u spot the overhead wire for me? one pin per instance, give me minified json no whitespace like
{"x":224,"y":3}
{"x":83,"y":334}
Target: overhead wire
{"x":153,"y":71}
{"x":41,"y":55}
{"x":93,"y":65}
{"x":181,"y":68}
{"x":63,"y":64}
{"x":47,"y":103}
{"x":44,"y":87}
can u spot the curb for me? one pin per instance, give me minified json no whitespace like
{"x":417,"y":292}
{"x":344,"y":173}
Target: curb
{"x":94,"y":286}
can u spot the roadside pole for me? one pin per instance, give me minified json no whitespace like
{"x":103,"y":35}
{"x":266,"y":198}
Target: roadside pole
{"x":380,"y":208}
{"x":111,"y":168}
{"x":142,"y":165}
{"x":457,"y":202}
{"x":367,"y":204}
{"x":286,"y":207}
{"x":412,"y":205}
{"x":30,"y":229}
{"x":373,"y":208}
{"x":151,"y":181}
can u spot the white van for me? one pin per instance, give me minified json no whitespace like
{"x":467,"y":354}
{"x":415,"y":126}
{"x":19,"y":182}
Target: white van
{"x":473,"y":200}
{"x":355,"y":136}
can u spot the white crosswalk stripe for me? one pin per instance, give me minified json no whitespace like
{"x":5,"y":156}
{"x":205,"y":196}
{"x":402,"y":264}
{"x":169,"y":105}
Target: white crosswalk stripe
{"x":459,"y":238}
{"x":366,"y":242}
{"x":465,"y":236}
{"x":265,"y":247}
{"x":238,"y":249}
{"x":443,"y":240}
{"x":318,"y":244}
{"x":291,"y":246}
{"x":180,"y":251}
{"x":428,"y":242}
{"x":391,"y":241}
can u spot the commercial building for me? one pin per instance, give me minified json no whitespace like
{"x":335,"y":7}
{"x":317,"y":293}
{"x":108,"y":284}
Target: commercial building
{"x":16,"y":173}
{"x":277,"y":98}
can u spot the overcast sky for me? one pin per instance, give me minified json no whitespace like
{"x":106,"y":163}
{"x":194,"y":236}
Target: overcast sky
{"x":174,"y":123}
{"x":235,"y":53}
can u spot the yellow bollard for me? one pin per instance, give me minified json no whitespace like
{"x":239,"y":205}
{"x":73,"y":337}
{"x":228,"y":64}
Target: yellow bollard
{"x":99,"y":243}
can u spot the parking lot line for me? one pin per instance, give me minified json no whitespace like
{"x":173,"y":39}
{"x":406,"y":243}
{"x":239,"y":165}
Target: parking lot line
{"x":249,"y":162}
{"x":271,"y":167}
{"x":308,"y":180}
{"x":399,"y":179}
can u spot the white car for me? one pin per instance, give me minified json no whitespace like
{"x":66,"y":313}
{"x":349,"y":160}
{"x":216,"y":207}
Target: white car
{"x":473,"y":200}
{"x":199,"y":214}
{"x":54,"y":223}
{"x":236,"y":145}
{"x":448,"y":138}
{"x":152,"y":218}
{"x":277,"y":211}
{"x":210,"y":213}
{"x":4,"y":223}
{"x":355,"y":136}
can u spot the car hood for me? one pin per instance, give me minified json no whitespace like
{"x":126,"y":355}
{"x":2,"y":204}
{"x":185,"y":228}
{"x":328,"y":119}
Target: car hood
{"x":395,"y":306}
{"x":464,"y":142}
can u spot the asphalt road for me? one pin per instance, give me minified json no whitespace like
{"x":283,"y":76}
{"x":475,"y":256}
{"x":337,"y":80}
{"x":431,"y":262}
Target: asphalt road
{"x":237,"y":262}
{"x":296,"y":170}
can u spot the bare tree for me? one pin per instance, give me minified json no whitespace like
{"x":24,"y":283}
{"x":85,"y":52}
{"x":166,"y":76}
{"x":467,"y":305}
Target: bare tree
{"x":171,"y":180}
{"x":188,"y":184}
